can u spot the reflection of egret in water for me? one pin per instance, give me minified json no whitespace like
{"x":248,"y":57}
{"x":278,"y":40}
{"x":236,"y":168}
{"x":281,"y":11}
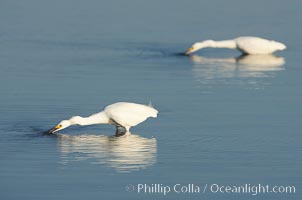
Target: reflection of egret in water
{"x":124,"y":154}
{"x":245,"y":66}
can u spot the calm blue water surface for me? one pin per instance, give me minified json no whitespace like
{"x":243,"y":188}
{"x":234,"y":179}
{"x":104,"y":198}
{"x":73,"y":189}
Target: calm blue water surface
{"x":223,"y":119}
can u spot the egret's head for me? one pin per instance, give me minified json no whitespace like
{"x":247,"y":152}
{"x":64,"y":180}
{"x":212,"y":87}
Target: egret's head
{"x":199,"y":45}
{"x":63,"y":124}
{"x":196,"y":46}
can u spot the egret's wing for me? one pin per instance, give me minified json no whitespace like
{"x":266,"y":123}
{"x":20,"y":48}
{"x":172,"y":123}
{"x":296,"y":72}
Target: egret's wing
{"x":128,"y":114}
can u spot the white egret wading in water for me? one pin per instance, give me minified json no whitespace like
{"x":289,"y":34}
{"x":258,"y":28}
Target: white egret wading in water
{"x":123,"y":115}
{"x":247,"y":45}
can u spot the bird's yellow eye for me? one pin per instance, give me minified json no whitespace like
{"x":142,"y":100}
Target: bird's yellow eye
{"x":59,"y":126}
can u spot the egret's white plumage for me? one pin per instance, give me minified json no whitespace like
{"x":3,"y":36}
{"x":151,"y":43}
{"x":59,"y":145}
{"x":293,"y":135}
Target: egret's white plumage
{"x":123,"y":115}
{"x":247,"y":45}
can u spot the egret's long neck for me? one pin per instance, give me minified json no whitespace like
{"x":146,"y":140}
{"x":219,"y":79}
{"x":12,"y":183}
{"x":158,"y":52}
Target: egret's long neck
{"x":230,"y":44}
{"x":98,"y":118}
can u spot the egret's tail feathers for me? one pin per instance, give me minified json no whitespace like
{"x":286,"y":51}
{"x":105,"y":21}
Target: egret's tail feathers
{"x":155,"y":113}
{"x":280,"y":46}
{"x":283,"y":46}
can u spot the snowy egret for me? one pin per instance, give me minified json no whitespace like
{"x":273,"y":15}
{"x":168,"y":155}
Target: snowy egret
{"x":247,"y":45}
{"x":123,"y":115}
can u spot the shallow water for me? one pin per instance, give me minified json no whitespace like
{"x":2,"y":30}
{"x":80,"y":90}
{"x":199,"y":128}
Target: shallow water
{"x":224,"y":118}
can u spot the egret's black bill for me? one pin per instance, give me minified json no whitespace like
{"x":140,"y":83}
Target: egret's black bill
{"x":51,"y":131}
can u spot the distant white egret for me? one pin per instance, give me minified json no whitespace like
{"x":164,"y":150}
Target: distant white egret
{"x":123,"y":115}
{"x":247,"y":45}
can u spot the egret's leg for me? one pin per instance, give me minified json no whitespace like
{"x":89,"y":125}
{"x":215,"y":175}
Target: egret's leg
{"x":120,"y":130}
